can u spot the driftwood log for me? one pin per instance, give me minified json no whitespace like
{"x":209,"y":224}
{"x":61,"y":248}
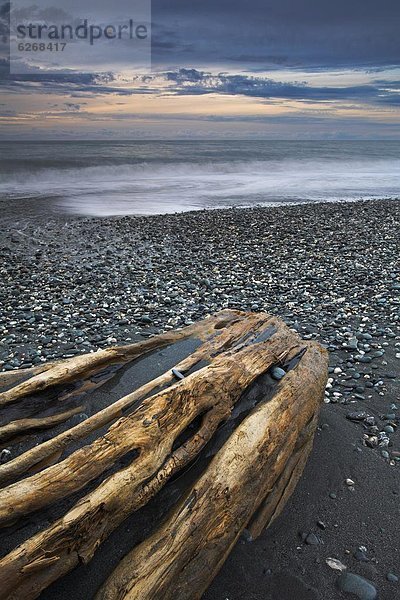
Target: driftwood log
{"x":237,"y":436}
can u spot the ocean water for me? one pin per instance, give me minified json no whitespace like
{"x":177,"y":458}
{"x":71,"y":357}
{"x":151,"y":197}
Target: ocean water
{"x":150,"y":177}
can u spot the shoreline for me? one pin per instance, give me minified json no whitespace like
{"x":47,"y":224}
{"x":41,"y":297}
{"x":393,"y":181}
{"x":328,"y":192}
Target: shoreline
{"x":330,"y":270}
{"x":12,"y":212}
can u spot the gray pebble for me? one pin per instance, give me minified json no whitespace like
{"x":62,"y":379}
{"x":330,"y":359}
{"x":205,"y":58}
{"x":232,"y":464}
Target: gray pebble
{"x":357,"y":585}
{"x":79,"y":418}
{"x":312,"y":539}
{"x":277,"y":373}
{"x":178,"y":374}
{"x":358,"y":415}
{"x":388,"y":429}
{"x":352,"y":343}
{"x":146,"y":320}
{"x":5,"y":456}
{"x":360,"y":555}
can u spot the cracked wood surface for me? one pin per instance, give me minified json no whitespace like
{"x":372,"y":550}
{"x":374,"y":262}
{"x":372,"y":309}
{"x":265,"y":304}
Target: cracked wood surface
{"x":82,"y":366}
{"x":220,"y":332}
{"x":182,"y":557}
{"x":237,"y":349}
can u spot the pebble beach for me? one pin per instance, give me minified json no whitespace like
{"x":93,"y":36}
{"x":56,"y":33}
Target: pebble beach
{"x":72,"y":285}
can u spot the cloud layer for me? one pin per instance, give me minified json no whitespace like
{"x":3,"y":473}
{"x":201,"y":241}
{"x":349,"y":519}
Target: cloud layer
{"x":194,"y":82}
{"x":293,"y":68}
{"x":260,"y":34}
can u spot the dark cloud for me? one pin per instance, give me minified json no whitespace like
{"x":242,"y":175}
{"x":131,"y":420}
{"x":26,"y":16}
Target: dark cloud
{"x":303,"y":34}
{"x":72,"y":106}
{"x":193,"y":82}
{"x":266,"y":34}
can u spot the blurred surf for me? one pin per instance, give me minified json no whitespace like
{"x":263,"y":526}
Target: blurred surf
{"x":117,"y":178}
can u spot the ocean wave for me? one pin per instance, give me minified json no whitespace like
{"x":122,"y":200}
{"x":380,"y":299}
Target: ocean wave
{"x":144,"y":188}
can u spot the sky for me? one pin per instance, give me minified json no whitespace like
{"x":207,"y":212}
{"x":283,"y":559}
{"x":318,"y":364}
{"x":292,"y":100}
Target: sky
{"x":278,"y":69}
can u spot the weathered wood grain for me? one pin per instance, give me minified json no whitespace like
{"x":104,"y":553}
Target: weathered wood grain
{"x":85,"y":365}
{"x":182,"y":557}
{"x":24,"y":426}
{"x":253,"y":473}
{"x":150,"y":431}
{"x":276,"y":498}
{"x":219,"y":333}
